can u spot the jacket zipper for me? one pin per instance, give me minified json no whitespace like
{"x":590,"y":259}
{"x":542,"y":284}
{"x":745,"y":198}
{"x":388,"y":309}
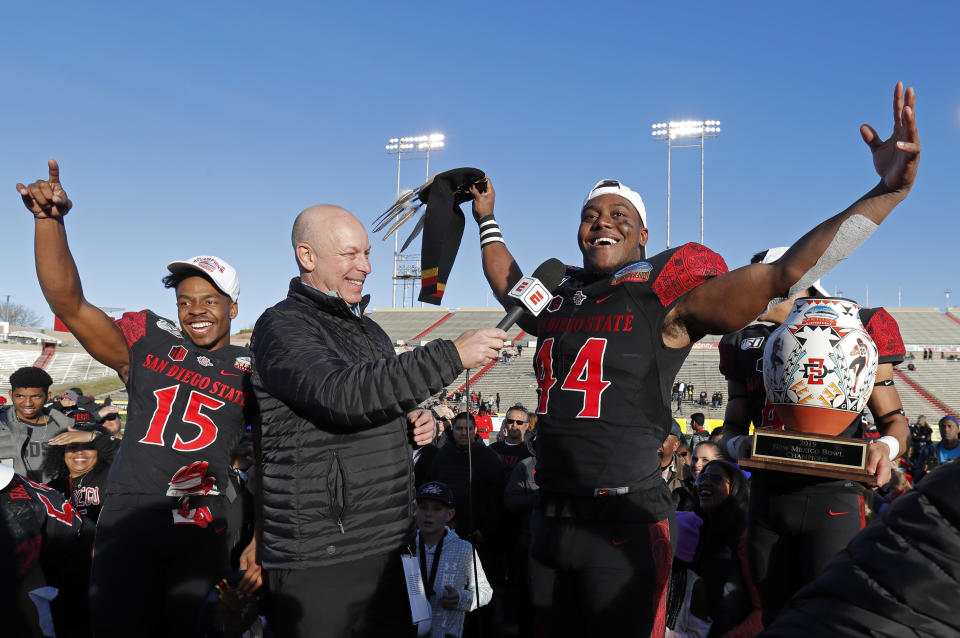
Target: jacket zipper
{"x":343,"y":486}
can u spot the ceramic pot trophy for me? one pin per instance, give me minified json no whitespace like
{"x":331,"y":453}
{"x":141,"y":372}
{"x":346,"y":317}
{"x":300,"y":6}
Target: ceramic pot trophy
{"x":819,"y":368}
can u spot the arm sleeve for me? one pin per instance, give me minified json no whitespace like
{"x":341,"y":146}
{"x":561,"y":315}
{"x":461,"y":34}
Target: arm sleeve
{"x":885,"y":331}
{"x":133,"y":325}
{"x":311,"y":376}
{"x":691,"y":265}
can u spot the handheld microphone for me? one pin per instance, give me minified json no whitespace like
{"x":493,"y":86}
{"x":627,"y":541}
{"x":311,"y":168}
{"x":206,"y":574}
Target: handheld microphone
{"x":534,"y":293}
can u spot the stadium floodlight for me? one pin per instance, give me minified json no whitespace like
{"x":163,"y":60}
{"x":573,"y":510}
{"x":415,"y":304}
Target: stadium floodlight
{"x":672,"y":130}
{"x":418,"y":147}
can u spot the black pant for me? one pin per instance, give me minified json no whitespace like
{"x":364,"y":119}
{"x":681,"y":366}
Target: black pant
{"x":365,"y":597}
{"x":791,"y":537}
{"x":149,"y":576}
{"x":601,"y":578}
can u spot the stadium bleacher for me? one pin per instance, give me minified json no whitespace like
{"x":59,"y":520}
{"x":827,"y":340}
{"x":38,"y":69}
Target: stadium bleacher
{"x":63,"y":367}
{"x":937,"y":381}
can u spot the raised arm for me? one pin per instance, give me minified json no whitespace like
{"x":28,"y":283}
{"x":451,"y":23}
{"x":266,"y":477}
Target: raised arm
{"x":745,"y":292}
{"x":499,"y":265}
{"x":59,"y":280}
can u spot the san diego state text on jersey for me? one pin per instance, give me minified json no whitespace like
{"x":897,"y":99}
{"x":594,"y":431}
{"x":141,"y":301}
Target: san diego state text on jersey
{"x":185,"y":414}
{"x":604,"y":374}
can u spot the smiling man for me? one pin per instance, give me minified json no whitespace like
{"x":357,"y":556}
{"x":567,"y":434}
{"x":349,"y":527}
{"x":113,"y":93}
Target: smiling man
{"x":609,"y":346}
{"x":160,"y":543}
{"x":339,"y":408}
{"x":26,"y":426}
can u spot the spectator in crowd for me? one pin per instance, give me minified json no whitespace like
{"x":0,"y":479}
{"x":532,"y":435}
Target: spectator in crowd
{"x":40,"y":534}
{"x":733,"y":601}
{"x":338,"y":409}
{"x":26,"y":426}
{"x":452,"y":573}
{"x":703,"y":398}
{"x":513,"y":449}
{"x":484,"y":424}
{"x":520,"y":497}
{"x":920,"y":434}
{"x":934,"y":454}
{"x":716,"y":434}
{"x":683,"y":451}
{"x":474,"y":473}
{"x":84,"y":416}
{"x":157,"y":548}
{"x":80,"y":474}
{"x":675,"y":473}
{"x":705,"y":452}
{"x":498,"y":402}
{"x":688,"y":613}
{"x":111,"y":422}
{"x":700,"y":433}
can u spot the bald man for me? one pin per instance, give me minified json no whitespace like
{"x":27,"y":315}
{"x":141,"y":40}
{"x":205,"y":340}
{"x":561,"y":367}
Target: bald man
{"x":339,"y":415}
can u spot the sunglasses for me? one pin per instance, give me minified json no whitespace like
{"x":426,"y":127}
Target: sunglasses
{"x":710,"y":478}
{"x":111,"y":417}
{"x":517,"y":421}
{"x":684,"y":454}
{"x":79,"y":447}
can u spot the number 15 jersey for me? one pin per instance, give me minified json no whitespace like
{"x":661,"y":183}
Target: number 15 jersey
{"x":604,"y":374}
{"x":185,"y":414}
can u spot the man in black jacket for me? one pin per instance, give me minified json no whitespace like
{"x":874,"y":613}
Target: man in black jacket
{"x":338,"y":408}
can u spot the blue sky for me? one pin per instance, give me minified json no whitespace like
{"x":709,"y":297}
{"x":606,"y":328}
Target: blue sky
{"x":186,"y":128}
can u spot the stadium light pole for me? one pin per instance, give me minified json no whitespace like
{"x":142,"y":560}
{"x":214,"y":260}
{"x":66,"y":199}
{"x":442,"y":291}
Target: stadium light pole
{"x":418,"y":147}
{"x":672,"y":131}
{"x":947,"y":293}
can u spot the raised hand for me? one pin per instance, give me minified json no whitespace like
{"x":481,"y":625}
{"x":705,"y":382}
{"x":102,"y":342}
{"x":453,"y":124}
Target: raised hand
{"x":896,"y":158}
{"x":45,"y":198}
{"x":483,"y":202}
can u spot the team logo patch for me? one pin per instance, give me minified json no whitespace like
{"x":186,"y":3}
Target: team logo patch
{"x":163,"y":324}
{"x":555,"y":304}
{"x":178,"y":353}
{"x":204,"y":361}
{"x":210,"y":265}
{"x":752,"y":342}
{"x":639,"y":271}
{"x":579,"y":298}
{"x":243,"y":363}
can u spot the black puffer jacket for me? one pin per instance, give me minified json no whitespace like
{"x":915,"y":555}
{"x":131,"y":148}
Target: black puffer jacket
{"x":336,"y":467}
{"x":898,"y":577}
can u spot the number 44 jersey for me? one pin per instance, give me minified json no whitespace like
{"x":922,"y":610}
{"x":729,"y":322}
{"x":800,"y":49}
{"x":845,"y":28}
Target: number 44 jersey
{"x":185,"y":416}
{"x":604,"y":374}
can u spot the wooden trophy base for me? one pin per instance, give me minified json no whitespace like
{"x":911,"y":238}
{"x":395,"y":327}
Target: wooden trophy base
{"x":811,"y":454}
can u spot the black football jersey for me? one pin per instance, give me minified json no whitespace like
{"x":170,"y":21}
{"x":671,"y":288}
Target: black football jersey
{"x":741,"y":359}
{"x":604,"y":374}
{"x":185,"y":415}
{"x":36,"y":517}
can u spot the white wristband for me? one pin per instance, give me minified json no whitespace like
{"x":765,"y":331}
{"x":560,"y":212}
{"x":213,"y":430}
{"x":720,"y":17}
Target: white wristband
{"x":893,"y":444}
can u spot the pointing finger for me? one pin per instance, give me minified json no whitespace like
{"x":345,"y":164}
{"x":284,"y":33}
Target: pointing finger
{"x":54,"y":169}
